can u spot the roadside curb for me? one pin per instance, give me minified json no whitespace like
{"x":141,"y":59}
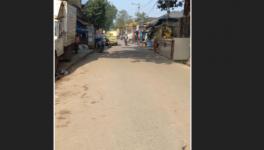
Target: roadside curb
{"x":78,"y":60}
{"x":74,"y":62}
{"x":187,"y":63}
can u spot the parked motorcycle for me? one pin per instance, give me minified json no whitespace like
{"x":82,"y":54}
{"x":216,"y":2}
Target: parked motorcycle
{"x":107,"y":42}
{"x":100,"y":44}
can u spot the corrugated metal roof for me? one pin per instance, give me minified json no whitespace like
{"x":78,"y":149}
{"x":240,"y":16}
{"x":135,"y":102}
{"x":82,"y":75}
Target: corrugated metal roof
{"x":173,"y":15}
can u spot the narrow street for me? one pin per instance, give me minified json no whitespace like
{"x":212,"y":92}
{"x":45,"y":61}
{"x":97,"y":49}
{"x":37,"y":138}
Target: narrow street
{"x":123,"y":99}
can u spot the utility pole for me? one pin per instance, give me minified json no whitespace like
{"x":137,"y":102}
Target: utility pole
{"x":138,"y":6}
{"x":168,"y":11}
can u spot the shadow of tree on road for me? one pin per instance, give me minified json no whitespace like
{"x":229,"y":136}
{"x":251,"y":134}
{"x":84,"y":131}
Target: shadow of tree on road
{"x":136,"y":55}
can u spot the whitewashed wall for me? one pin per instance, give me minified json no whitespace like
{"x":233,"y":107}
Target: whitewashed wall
{"x":165,"y":47}
{"x":70,"y":24}
{"x":59,"y":46}
{"x":56,"y":7}
{"x":181,"y":49}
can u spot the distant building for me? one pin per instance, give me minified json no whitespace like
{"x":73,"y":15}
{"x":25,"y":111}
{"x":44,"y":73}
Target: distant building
{"x":176,"y":21}
{"x":172,"y":33}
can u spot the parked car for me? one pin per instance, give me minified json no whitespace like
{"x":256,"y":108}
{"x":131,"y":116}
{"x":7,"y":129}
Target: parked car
{"x":112,"y":36}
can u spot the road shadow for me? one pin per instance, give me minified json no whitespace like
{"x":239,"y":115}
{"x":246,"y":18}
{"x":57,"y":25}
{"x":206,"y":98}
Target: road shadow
{"x":135,"y":54}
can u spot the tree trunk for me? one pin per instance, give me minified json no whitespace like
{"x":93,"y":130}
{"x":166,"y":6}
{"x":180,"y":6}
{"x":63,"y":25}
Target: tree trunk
{"x":187,"y":8}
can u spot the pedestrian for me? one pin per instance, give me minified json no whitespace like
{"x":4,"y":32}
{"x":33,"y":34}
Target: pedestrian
{"x":156,"y":45}
{"x":126,"y":38}
{"x":77,"y":42}
{"x":97,"y":40}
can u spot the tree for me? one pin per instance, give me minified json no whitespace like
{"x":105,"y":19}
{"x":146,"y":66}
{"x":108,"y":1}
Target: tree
{"x":110,"y":16}
{"x":185,"y":21}
{"x":141,"y":17}
{"x":122,"y":19}
{"x":187,"y":7}
{"x":169,"y":4}
{"x":100,"y":13}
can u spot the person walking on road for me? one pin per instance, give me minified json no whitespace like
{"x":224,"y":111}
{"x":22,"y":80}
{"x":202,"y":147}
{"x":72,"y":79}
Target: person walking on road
{"x":126,"y":38}
{"x":156,"y":45}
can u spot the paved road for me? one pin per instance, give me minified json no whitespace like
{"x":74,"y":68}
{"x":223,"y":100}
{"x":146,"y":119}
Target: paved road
{"x":124,"y":99}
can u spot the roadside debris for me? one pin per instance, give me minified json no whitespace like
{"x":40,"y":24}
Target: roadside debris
{"x":61,"y":73}
{"x":64,"y":72}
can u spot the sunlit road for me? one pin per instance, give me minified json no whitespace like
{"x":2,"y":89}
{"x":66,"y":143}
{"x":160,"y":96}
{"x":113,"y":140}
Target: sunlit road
{"x":124,"y":99}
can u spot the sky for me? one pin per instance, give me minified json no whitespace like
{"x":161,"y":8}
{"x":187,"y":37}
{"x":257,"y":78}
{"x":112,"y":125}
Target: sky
{"x":148,"y":6}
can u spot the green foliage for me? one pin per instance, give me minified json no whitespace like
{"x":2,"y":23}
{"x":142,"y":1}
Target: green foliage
{"x":101,"y":13}
{"x":122,"y":19}
{"x":110,"y":16}
{"x":169,"y":4}
{"x":141,"y":17}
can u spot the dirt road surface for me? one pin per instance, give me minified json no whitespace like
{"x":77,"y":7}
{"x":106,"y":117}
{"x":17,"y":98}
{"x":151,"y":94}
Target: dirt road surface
{"x":124,"y":99}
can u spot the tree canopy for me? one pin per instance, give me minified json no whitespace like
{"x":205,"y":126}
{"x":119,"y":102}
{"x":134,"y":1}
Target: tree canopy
{"x":122,"y":19}
{"x":101,"y":13}
{"x":141,"y":17}
{"x":169,"y":4}
{"x":110,"y":15}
